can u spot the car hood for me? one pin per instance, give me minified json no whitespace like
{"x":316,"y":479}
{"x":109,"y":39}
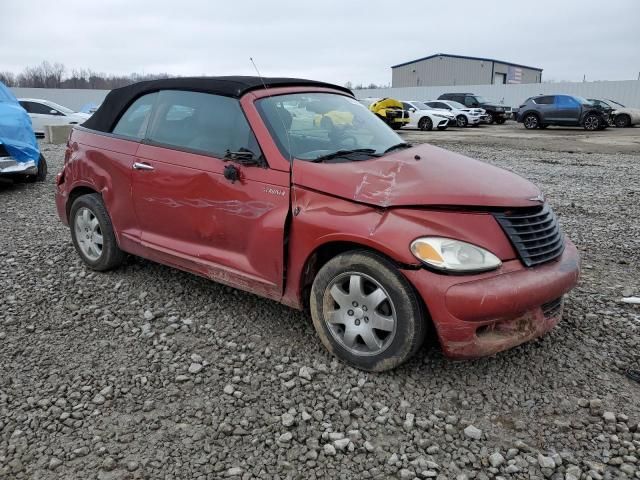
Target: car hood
{"x":439,"y":177}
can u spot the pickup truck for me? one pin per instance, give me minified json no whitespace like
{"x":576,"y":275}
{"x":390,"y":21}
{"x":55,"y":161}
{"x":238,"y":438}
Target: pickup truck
{"x":239,"y":180}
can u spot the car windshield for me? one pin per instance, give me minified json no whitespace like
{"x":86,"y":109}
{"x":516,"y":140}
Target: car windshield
{"x":421,"y":106}
{"x":456,"y":105}
{"x":617,"y":103}
{"x":312,"y":126}
{"x":60,"y":108}
{"x":582,"y":100}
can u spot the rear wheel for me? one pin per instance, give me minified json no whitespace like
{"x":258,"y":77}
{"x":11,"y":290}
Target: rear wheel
{"x":425,"y":123}
{"x":461,"y":121}
{"x":41,"y":175}
{"x":92,"y":233}
{"x":622,"y":121}
{"x":591,"y":122}
{"x":531,"y":121}
{"x":365,"y":311}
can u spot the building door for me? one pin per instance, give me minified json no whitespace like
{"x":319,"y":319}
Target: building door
{"x":499,"y":78}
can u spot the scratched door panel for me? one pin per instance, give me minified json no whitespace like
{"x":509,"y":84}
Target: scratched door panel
{"x":194,"y":218}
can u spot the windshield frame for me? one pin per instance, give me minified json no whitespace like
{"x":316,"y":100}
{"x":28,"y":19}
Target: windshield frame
{"x":283,"y":144}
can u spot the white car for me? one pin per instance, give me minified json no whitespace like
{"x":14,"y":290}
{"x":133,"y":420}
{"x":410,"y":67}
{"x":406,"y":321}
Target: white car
{"x":44,"y":112}
{"x":464,"y":115}
{"x":425,"y":118}
{"x":620,"y":115}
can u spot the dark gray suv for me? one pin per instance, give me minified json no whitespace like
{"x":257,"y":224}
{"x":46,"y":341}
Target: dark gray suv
{"x":563,"y":110}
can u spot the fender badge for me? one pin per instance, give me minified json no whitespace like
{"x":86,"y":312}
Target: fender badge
{"x":539,"y":198}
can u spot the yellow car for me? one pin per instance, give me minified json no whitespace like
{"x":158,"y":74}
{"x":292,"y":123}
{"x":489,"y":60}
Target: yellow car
{"x":334,"y":118}
{"x":389,"y":110}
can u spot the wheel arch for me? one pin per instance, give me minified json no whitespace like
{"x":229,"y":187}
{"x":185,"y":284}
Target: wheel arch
{"x":77,"y":192}
{"x":324,"y":252}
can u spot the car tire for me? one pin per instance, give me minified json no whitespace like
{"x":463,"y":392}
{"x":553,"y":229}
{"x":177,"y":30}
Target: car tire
{"x":396,"y":126}
{"x":531,"y":121}
{"x":501,"y":121}
{"x":425,"y":123}
{"x":622,"y":121}
{"x":490,"y":118}
{"x":592,"y":122}
{"x":461,"y":121}
{"x":90,"y":223}
{"x":41,"y":175}
{"x":354,"y":286}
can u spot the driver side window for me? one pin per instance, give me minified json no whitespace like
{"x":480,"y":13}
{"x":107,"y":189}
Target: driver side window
{"x":470,"y":101}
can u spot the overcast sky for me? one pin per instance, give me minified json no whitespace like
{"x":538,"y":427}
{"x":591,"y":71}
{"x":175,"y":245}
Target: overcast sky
{"x":331,"y":40}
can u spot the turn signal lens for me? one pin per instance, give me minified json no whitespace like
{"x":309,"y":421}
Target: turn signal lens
{"x":453,"y":255}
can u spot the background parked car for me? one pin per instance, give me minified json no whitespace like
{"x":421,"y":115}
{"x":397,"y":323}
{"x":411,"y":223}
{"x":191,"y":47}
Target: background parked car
{"x":495,"y":112}
{"x":20,"y":156}
{"x":563,"y":110}
{"x":619,"y":115}
{"x":425,"y":118}
{"x":464,"y":116}
{"x":389,"y":110}
{"x":44,"y":112}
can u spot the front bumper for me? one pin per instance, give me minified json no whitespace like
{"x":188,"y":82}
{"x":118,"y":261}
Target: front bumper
{"x":9,"y":166}
{"x":476,"y":120}
{"x":487,"y":313}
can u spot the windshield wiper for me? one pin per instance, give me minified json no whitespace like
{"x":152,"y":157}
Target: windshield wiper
{"x":345,"y":153}
{"x":397,"y":146}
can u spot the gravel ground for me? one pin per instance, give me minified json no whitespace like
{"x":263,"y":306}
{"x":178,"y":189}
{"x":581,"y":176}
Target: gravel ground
{"x":148,"y":372}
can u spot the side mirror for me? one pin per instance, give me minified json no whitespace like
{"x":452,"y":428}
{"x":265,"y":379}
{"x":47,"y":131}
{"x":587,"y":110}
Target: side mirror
{"x":53,"y":112}
{"x":412,"y":110}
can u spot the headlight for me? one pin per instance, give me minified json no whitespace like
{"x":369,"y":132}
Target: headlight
{"x":453,"y":255}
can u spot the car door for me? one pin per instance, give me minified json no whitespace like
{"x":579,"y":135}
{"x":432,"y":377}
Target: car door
{"x":567,"y":110}
{"x":413,"y":113}
{"x":195,"y":217}
{"x":545,"y":106}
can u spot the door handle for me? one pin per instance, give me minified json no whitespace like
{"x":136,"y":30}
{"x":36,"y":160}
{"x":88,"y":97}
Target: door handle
{"x":142,"y":166}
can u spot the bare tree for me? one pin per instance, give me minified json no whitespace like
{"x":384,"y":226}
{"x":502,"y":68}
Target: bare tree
{"x":8,"y":78}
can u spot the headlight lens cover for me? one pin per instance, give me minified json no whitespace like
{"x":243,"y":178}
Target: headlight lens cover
{"x":453,"y":255}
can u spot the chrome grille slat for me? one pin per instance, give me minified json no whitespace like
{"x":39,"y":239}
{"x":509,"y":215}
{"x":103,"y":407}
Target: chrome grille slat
{"x":534,"y":233}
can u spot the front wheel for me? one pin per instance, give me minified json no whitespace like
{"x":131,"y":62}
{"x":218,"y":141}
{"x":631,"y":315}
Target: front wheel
{"x":396,"y":126}
{"x":92,"y":233}
{"x":425,"y":123}
{"x":461,"y":121}
{"x":591,"y":122}
{"x":365,"y":311}
{"x":622,"y":121}
{"x":490,"y":118}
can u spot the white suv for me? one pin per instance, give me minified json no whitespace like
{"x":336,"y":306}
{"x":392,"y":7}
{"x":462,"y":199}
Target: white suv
{"x":464,"y":115}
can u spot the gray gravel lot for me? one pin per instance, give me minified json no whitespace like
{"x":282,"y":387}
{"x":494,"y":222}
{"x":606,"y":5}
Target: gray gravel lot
{"x":148,"y":372}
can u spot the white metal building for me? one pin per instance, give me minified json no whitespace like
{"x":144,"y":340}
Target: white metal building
{"x":445,"y":69}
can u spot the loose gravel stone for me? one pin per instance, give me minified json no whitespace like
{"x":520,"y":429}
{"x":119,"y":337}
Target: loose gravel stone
{"x":473,"y":432}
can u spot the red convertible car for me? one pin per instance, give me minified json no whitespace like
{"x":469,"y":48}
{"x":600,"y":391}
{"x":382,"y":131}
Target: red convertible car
{"x":233,"y":179}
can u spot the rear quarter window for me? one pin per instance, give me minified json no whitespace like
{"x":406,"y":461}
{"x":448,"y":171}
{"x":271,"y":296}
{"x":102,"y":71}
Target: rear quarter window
{"x":135,"y":120}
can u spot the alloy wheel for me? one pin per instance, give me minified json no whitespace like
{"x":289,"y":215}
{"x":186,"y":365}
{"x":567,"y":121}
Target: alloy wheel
{"x":363,"y":320}
{"x":88,"y":233}
{"x":591,"y":122}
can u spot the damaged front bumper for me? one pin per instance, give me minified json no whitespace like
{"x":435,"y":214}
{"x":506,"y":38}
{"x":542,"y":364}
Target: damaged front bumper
{"x":9,"y":166}
{"x":488,"y":313}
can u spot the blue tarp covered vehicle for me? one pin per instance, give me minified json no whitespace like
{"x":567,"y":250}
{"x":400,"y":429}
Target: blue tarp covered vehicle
{"x":19,"y":152}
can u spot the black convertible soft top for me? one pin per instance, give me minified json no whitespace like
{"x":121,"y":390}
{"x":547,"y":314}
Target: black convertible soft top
{"x":120,"y":98}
